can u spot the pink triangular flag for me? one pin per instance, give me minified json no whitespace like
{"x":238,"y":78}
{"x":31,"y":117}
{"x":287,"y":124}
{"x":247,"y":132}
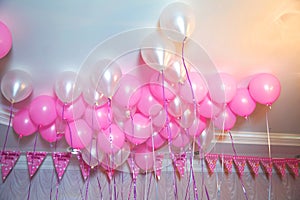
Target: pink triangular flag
{"x":254,"y":164}
{"x":294,"y":166}
{"x":84,"y":168}
{"x":267,"y":165}
{"x":133,"y":167}
{"x":240,"y":162}
{"x":179,"y":162}
{"x":8,"y":161}
{"x":158,"y":165}
{"x":211,"y":162}
{"x":61,"y":161}
{"x":280,"y":166}
{"x":227,"y":159}
{"x":34,"y":161}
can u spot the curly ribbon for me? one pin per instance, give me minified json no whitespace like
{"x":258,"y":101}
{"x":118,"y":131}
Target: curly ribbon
{"x":130,"y":187}
{"x":240,"y":178}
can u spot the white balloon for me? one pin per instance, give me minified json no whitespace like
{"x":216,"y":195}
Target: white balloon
{"x":68,"y":86}
{"x":157,"y":52}
{"x":177,"y":21}
{"x":16,"y":85}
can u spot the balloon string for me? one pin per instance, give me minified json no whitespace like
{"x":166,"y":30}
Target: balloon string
{"x":130,"y":188}
{"x":187,"y":74}
{"x":100,"y":189}
{"x":149,"y":186}
{"x":241,"y":180}
{"x":202,"y":171}
{"x":8,"y":127}
{"x":34,"y":148}
{"x":270,"y":156}
{"x":194,"y":180}
{"x":115,"y":187}
{"x":53,"y":171}
{"x":134,"y":188}
{"x":187,"y":190}
{"x":206,"y":192}
{"x":169,"y":132}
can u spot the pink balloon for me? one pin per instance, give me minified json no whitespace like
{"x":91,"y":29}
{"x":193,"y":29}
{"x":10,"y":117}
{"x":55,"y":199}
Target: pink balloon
{"x":128,"y":93}
{"x":159,"y":120}
{"x":147,"y":104}
{"x":171,"y":131}
{"x":5,"y":40}
{"x":155,"y":141}
{"x":139,"y":128}
{"x":111,"y":139}
{"x":198,"y":126}
{"x":265,"y":88}
{"x":156,"y":87}
{"x":198,"y":86}
{"x":78,"y":134}
{"x":181,"y":140}
{"x":208,"y":109}
{"x":97,"y":117}
{"x":72,"y":111}
{"x":50,"y":133}
{"x":242,"y":104}
{"x":226,"y":120}
{"x":42,"y":110}
{"x":222,"y":88}
{"x":22,"y":123}
{"x":143,"y":157}
{"x":188,"y":117}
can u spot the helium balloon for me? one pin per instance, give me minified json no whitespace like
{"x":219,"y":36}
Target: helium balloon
{"x":128,"y":93}
{"x":22,"y":124}
{"x":176,"y":73}
{"x":78,"y":134}
{"x":179,"y":21}
{"x":225,"y":120}
{"x":68,"y":87}
{"x":111,"y":139}
{"x":92,"y":155}
{"x":93,"y":97}
{"x":107,"y":80}
{"x":72,"y":111}
{"x":157,"y":52}
{"x":5,"y":40}
{"x":143,"y":157}
{"x":42,"y":110}
{"x":50,"y":133}
{"x":198,"y":86}
{"x":16,"y":85}
{"x":242,"y":104}
{"x":223,"y":92}
{"x":265,"y":89}
{"x":97,"y":117}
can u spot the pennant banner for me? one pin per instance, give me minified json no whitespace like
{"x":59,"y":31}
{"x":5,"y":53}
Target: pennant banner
{"x":8,"y":161}
{"x":267,"y":165}
{"x":253,"y":164}
{"x":84,"y":168}
{"x":61,"y":161}
{"x":211,"y":162}
{"x":240,"y":162}
{"x":179,"y":162}
{"x":227,"y":159}
{"x":34,"y":161}
{"x":280,"y":166}
{"x":294,"y":166}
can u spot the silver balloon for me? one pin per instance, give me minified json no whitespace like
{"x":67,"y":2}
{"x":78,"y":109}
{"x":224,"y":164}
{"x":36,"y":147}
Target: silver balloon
{"x":16,"y":85}
{"x":157,"y":52}
{"x":68,"y":86}
{"x":177,"y":21}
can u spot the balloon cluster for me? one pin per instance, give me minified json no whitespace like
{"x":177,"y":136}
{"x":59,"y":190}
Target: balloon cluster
{"x":110,"y":116}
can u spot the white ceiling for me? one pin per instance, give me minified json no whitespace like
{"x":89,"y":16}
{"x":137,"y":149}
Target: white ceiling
{"x":241,"y":38}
